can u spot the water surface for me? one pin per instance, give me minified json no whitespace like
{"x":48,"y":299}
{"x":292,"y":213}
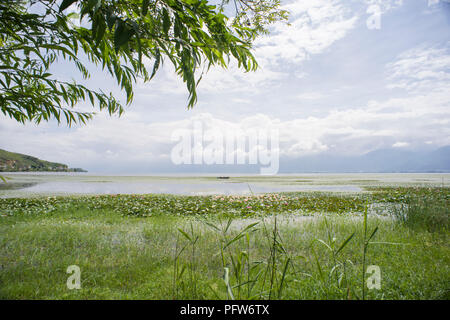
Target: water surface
{"x":28,"y":184}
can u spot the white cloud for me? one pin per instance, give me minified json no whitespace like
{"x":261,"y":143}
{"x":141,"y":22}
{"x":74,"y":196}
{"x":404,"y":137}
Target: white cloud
{"x":421,"y":69}
{"x":406,"y":122}
{"x":385,"y":5}
{"x":314,"y":26}
{"x":311,"y":95}
{"x":400,"y":144}
{"x":415,"y":114}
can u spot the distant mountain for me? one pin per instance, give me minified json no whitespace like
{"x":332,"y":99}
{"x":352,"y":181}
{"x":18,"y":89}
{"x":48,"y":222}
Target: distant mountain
{"x":388,"y":160}
{"x":382,"y":160}
{"x":11,"y":161}
{"x":439,"y":159}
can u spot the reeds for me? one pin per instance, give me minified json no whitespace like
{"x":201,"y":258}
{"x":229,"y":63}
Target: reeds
{"x":268,"y":276}
{"x":428,"y":213}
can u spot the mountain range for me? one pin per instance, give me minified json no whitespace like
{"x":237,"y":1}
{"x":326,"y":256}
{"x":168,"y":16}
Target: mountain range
{"x":381,"y":160}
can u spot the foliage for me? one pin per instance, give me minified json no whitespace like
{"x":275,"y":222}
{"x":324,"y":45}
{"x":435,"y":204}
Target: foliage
{"x":337,"y":275}
{"x":123,"y":257}
{"x":403,"y":194}
{"x":128,"y":39}
{"x":148,"y":205}
{"x":431,"y":214}
{"x":213,"y":251}
{"x":11,"y":161}
{"x":230,"y":205}
{"x":417,"y":207}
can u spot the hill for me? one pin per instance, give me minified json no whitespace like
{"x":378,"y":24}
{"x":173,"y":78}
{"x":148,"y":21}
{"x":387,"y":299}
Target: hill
{"x":11,"y":161}
{"x":381,"y":160}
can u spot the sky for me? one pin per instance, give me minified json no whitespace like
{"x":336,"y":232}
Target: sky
{"x":345,"y":77}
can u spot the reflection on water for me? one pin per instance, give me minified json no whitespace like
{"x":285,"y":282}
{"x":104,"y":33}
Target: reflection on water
{"x":29,"y":184}
{"x":186,"y":188}
{"x":16,"y":185}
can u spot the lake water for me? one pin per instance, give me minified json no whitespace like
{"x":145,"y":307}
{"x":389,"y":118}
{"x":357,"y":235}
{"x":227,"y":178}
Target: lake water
{"x":27,"y":184}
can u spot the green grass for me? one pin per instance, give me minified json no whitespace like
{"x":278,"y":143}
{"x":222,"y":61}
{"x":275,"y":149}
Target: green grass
{"x":147,"y":247}
{"x":157,"y":204}
{"x":423,"y":213}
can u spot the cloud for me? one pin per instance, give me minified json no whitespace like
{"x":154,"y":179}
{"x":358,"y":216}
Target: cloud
{"x":321,"y":101}
{"x":385,"y":5}
{"x":311,"y":95}
{"x":421,"y":69}
{"x":400,"y":144}
{"x":314,"y":26}
{"x":108,"y":143}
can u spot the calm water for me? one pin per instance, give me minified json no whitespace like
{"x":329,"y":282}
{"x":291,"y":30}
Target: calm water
{"x":171,"y":187}
{"x":26,"y":184}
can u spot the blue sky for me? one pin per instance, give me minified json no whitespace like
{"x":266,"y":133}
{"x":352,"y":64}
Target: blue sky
{"x":327,"y":82}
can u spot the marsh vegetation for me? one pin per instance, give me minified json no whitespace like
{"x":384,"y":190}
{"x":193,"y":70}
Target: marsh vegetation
{"x":269,"y":246}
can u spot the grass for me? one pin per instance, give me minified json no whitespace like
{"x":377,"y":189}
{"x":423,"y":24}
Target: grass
{"x":426,"y":213}
{"x":153,"y":205}
{"x":148,"y":247}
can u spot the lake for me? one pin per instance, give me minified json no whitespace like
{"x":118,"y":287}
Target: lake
{"x":40,"y":183}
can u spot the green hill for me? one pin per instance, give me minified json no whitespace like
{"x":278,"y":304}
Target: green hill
{"x":11,"y":161}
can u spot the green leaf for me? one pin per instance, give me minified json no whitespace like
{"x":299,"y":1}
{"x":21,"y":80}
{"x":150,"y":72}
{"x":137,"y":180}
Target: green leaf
{"x":184,"y":234}
{"x":286,"y":265}
{"x":100,"y":32}
{"x":236,"y":238}
{"x":226,"y":279}
{"x":373,"y":234}
{"x":166,"y":21}
{"x":110,"y":19}
{"x":325,"y":244}
{"x":145,"y":4}
{"x":65,"y":4}
{"x":93,"y":5}
{"x":121,"y":35}
{"x":345,"y":243}
{"x":249,"y":227}
{"x":157,"y":63}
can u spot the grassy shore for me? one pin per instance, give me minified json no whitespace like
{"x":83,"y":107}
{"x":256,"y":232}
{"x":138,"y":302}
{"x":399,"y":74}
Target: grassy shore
{"x":274,"y":246}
